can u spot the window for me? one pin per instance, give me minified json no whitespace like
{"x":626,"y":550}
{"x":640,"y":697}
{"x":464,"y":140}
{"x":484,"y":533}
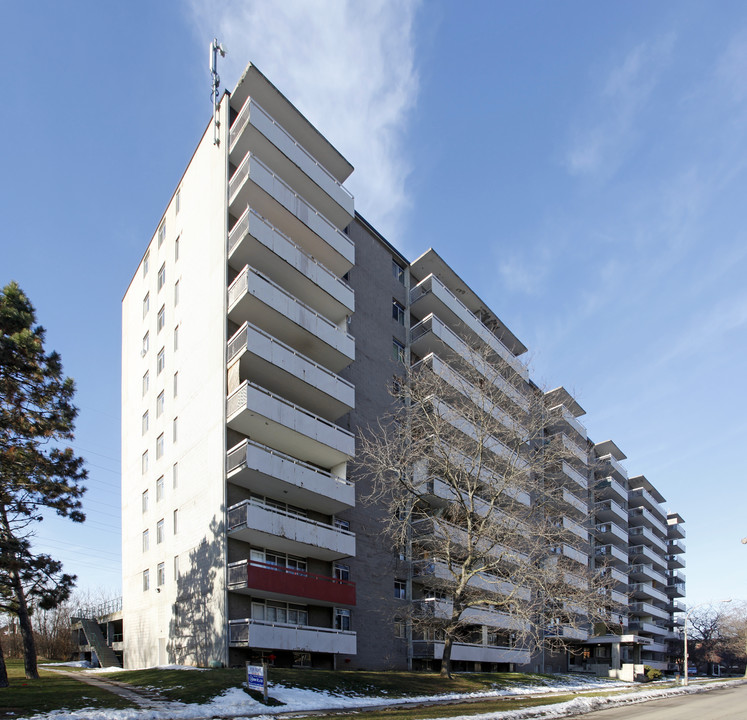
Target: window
{"x":161,"y":277}
{"x":342,"y":524}
{"x":175,"y":428}
{"x":146,"y":344}
{"x":342,"y":619}
{"x":176,"y":567}
{"x":159,"y":489}
{"x":146,"y":382}
{"x":144,"y":463}
{"x":398,"y":272}
{"x":146,"y":541}
{"x":341,"y":572}
{"x":176,"y":338}
{"x":145,"y":501}
{"x":159,"y":531}
{"x":399,"y":629}
{"x":146,"y":580}
{"x":175,"y":475}
{"x":159,"y":447}
{"x":161,"y":574}
{"x":145,"y":423}
{"x":161,"y":321}
{"x":146,"y":263}
{"x":161,"y":233}
{"x":146,"y":304}
{"x":176,"y":383}
{"x":176,"y":249}
{"x":160,"y":404}
{"x":398,"y":312}
{"x":176,"y":293}
{"x":400,"y":589}
{"x":177,"y":201}
{"x":161,"y":361}
{"x":398,"y":351}
{"x":176,"y":521}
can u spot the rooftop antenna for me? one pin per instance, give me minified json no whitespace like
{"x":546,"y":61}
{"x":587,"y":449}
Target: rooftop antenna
{"x":215,"y":48}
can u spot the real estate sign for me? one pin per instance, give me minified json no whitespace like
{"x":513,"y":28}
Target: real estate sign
{"x":256,"y":678}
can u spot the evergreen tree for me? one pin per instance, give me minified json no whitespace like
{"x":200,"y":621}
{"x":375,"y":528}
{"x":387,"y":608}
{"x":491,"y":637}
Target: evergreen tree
{"x":37,"y":473}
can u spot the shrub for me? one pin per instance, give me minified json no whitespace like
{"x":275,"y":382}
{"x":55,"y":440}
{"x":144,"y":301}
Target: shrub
{"x":651,"y":673}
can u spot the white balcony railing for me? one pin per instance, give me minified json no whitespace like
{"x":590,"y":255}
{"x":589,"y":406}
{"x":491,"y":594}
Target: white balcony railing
{"x":283,"y":636}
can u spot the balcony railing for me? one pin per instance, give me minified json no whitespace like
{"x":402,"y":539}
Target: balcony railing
{"x":610,"y":485}
{"x":615,"y":464}
{"x":284,"y":636}
{"x":278,"y":580}
{"x":648,"y":571}
{"x":570,"y":418}
{"x":675,"y":546}
{"x":574,"y":475}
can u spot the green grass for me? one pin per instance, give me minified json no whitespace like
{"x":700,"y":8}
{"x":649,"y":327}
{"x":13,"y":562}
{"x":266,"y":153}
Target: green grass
{"x":51,"y":692}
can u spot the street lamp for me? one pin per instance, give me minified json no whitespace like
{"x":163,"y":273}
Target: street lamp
{"x":687,"y":617}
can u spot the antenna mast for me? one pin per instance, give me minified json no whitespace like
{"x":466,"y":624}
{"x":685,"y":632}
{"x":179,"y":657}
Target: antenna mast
{"x":215,"y":48}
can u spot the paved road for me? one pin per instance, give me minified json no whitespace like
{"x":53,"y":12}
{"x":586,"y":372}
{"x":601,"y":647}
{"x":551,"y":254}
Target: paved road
{"x":728,"y":703}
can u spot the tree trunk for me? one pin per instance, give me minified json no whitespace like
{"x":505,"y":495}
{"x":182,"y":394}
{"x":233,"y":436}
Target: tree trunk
{"x":3,"y":670}
{"x":27,"y":632}
{"x":446,"y":658}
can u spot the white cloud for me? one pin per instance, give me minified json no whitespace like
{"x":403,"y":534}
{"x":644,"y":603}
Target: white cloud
{"x":348,"y":66}
{"x":601,"y":141}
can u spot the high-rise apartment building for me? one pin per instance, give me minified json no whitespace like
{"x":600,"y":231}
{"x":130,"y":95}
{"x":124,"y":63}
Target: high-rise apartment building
{"x":261,"y":332}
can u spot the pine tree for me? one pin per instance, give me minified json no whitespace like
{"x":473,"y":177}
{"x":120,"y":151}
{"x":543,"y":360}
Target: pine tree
{"x":37,"y":472}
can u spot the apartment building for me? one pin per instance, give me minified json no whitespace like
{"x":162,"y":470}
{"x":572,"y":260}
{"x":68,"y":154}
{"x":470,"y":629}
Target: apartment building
{"x":262,"y":332}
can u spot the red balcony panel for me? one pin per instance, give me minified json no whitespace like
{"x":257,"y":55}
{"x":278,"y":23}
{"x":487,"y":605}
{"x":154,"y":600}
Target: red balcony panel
{"x":298,"y":583}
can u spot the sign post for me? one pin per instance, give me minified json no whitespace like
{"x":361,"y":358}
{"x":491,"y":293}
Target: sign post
{"x":256,"y":678}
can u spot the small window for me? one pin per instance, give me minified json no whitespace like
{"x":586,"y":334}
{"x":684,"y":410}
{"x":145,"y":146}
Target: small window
{"x":176,"y":249}
{"x":175,"y":428}
{"x":341,"y":572}
{"x":176,"y":293}
{"x":160,"y":404}
{"x":146,"y":382}
{"x":398,"y":312}
{"x":177,"y":201}
{"x":146,"y":344}
{"x":161,"y":233}
{"x":146,"y":580}
{"x":161,"y":574}
{"x":161,"y":361}
{"x":176,"y":567}
{"x":161,"y":321}
{"x":159,"y":532}
{"x":342,"y":619}
{"x":176,"y":521}
{"x":176,"y":383}
{"x":398,"y":351}
{"x":159,"y":447}
{"x":161,"y":277}
{"x":175,"y":475}
{"x":146,"y":304}
{"x":145,"y":423}
{"x":146,"y":540}
{"x":146,"y":263}
{"x":176,"y":338}
{"x":399,"y":630}
{"x":145,"y":501}
{"x":159,"y":489}
{"x":342,"y":524}
{"x":398,"y":272}
{"x":144,"y":462}
{"x":400,"y":589}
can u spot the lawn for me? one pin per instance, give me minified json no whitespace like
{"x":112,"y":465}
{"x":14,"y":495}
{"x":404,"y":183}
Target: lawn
{"x":51,"y":692}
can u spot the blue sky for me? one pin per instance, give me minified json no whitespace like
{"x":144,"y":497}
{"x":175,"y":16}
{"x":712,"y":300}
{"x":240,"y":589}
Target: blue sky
{"x":582,"y":165}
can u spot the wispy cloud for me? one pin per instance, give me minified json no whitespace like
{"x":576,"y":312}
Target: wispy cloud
{"x":600,"y":141}
{"x":348,"y":66}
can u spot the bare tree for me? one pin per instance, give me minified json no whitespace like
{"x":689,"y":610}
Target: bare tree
{"x":470,"y":465}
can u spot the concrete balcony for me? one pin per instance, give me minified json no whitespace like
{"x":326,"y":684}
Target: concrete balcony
{"x":573,"y":448}
{"x":640,"y":497}
{"x":431,"y":296}
{"x":676,"y":577}
{"x":676,"y":590}
{"x":645,"y":536}
{"x":675,"y":530}
{"x":274,"y":421}
{"x":611,"y":553}
{"x":263,"y":525}
{"x":254,"y":298}
{"x":576,"y":529}
{"x":675,"y":562}
{"x":299,"y":638}
{"x":576,"y":503}
{"x":677,"y":606}
{"x":265,"y":471}
{"x":641,"y":516}
{"x":475,"y":615}
{"x":675,"y":547}
{"x":255,"y":129}
{"x":571,"y":553}
{"x":575,"y":475}
{"x":253,"y":241}
{"x":259,"y":579}
{"x":609,"y":510}
{"x":655,"y":647}
{"x":435,"y":572}
{"x":617,"y":468}
{"x":279,"y":368}
{"x":617,"y":597}
{"x":611,"y":533}
{"x":609,"y":488}
{"x":254,"y":185}
{"x":617,"y":576}
{"x":566,"y":416}
{"x":567,"y":632}
{"x":638,"y":552}
{"x":432,"y":335}
{"x":640,"y":572}
{"x":472,"y":652}
{"x":644,"y":609}
{"x":645,"y":591}
{"x":648,"y":628}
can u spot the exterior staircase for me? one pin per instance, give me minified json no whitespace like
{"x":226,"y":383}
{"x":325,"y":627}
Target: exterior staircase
{"x":97,"y":641}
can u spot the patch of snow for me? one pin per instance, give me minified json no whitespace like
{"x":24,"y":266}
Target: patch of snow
{"x":72,"y":663}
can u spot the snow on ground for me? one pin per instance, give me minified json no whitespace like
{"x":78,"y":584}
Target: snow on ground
{"x":236,"y":704}
{"x":73,"y":663}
